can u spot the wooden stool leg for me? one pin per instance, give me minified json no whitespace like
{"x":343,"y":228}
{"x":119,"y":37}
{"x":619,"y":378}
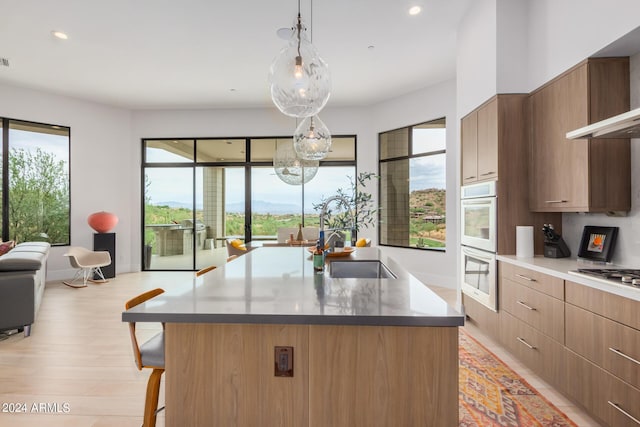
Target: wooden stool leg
{"x":151,"y":401}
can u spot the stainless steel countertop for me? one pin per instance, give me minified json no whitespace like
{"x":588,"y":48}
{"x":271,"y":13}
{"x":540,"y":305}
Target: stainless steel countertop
{"x":277,"y":285}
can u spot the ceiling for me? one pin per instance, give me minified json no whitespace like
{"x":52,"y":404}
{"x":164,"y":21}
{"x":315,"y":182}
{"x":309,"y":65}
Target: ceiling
{"x":163,"y":54}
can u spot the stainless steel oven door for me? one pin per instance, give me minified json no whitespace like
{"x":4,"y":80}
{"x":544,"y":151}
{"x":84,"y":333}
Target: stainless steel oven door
{"x":479,"y":276}
{"x":478,"y":223}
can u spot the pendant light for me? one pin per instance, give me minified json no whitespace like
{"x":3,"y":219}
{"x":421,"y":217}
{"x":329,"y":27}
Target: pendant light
{"x":312,"y":139}
{"x":299,"y":78}
{"x":290,"y":168}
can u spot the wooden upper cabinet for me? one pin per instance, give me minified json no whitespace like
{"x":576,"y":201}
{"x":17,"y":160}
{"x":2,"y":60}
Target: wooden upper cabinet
{"x":488,"y":141}
{"x":584,"y":175}
{"x":470,"y":148}
{"x":480,"y":143}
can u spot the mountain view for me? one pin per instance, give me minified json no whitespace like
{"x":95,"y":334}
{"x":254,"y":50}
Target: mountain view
{"x":427,"y":226}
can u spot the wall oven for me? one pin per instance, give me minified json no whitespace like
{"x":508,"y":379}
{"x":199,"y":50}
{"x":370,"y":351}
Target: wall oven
{"x":479,"y":276}
{"x":479,"y":242}
{"x":478,"y":216}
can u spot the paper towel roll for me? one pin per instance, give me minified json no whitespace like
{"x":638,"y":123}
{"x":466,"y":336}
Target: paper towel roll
{"x":524,"y":241}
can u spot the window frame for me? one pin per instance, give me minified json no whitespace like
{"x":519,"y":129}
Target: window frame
{"x":248,"y":164}
{"x":408,"y":157}
{"x":6,"y":121}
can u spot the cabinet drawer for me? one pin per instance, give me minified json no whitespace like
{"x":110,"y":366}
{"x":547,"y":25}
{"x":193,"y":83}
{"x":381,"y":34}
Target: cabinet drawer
{"x":539,"y":352}
{"x":541,"y":282}
{"x":608,"y":344}
{"x":614,"y":307}
{"x":544,"y":313}
{"x":607,"y":398}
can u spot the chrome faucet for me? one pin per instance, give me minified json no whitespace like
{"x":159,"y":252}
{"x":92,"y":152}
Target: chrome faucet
{"x":323,"y":213}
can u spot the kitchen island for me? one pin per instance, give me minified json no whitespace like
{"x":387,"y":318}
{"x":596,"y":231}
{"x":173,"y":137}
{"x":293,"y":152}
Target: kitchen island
{"x":264,"y":340}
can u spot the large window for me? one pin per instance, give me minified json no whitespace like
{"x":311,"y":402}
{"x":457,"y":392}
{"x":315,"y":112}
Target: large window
{"x":413,"y":186}
{"x":200,"y":192}
{"x":35,"y":182}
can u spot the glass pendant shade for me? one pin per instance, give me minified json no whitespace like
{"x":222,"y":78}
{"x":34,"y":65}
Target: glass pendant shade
{"x":312,"y":140}
{"x":299,"y":78}
{"x":290,"y":168}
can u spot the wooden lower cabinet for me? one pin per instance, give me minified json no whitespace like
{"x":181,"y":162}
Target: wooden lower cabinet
{"x":582,"y":340}
{"x":483,"y":318}
{"x":550,"y":285}
{"x":611,"y":400}
{"x":614,"y":307}
{"x":223,"y":375}
{"x":610,"y":345}
{"x":539,"y":310}
{"x":539,"y":352}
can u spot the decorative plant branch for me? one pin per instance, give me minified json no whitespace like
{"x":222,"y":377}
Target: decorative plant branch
{"x":338,"y":215}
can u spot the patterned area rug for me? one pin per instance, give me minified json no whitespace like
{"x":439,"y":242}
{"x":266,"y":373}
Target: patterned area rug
{"x":491,"y":394}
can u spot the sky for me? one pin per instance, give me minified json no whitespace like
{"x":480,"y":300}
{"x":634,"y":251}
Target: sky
{"x":54,"y":144}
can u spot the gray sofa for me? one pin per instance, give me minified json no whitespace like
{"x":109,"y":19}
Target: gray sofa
{"x":22,"y":278}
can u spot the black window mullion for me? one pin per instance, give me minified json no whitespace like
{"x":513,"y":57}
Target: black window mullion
{"x":247,"y":192}
{"x":5,"y":179}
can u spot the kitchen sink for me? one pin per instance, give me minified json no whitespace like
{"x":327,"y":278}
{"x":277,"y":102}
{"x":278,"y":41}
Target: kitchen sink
{"x":360,"y":270}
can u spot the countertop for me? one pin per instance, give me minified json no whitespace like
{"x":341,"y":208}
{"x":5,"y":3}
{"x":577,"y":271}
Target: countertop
{"x":560,"y":267}
{"x":277,"y":285}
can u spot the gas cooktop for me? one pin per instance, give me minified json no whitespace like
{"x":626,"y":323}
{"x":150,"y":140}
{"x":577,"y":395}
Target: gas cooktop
{"x":622,"y":276}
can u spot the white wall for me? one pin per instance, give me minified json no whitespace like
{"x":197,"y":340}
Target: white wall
{"x":561,"y":34}
{"x":431,"y":267}
{"x":512,"y":60}
{"x":102,"y":171}
{"x":476,"y":56}
{"x":564,"y":32}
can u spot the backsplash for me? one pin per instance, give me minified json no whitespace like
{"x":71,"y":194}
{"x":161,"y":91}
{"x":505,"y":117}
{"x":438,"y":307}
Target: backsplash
{"x":627,"y":250}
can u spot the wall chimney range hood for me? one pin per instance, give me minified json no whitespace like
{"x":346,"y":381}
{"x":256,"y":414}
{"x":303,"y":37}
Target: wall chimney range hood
{"x":625,"y":125}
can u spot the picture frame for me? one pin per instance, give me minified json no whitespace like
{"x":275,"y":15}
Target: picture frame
{"x":597,"y":243}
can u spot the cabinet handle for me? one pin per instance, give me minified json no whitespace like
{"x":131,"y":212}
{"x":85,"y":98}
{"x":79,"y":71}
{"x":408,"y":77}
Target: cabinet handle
{"x":528,"y":307}
{"x":619,"y":408}
{"x":488,"y":173}
{"x":532,"y":347}
{"x":556,"y":201}
{"x":619,"y":353}
{"x":470,"y":177}
{"x":525,"y":278}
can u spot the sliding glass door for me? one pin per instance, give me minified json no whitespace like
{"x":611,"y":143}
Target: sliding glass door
{"x":274,"y":204}
{"x":197,"y":193}
{"x":220,"y":212}
{"x":168,"y":219}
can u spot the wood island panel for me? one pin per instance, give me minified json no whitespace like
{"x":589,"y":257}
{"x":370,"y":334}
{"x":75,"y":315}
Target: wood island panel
{"x":223,"y":375}
{"x":383,"y":376}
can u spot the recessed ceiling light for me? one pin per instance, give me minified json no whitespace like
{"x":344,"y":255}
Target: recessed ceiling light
{"x":59,"y":35}
{"x":415,"y":10}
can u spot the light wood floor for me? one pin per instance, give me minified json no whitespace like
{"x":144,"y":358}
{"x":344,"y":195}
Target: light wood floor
{"x":79,"y":354}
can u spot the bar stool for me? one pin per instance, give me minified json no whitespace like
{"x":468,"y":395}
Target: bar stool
{"x":148,"y":355}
